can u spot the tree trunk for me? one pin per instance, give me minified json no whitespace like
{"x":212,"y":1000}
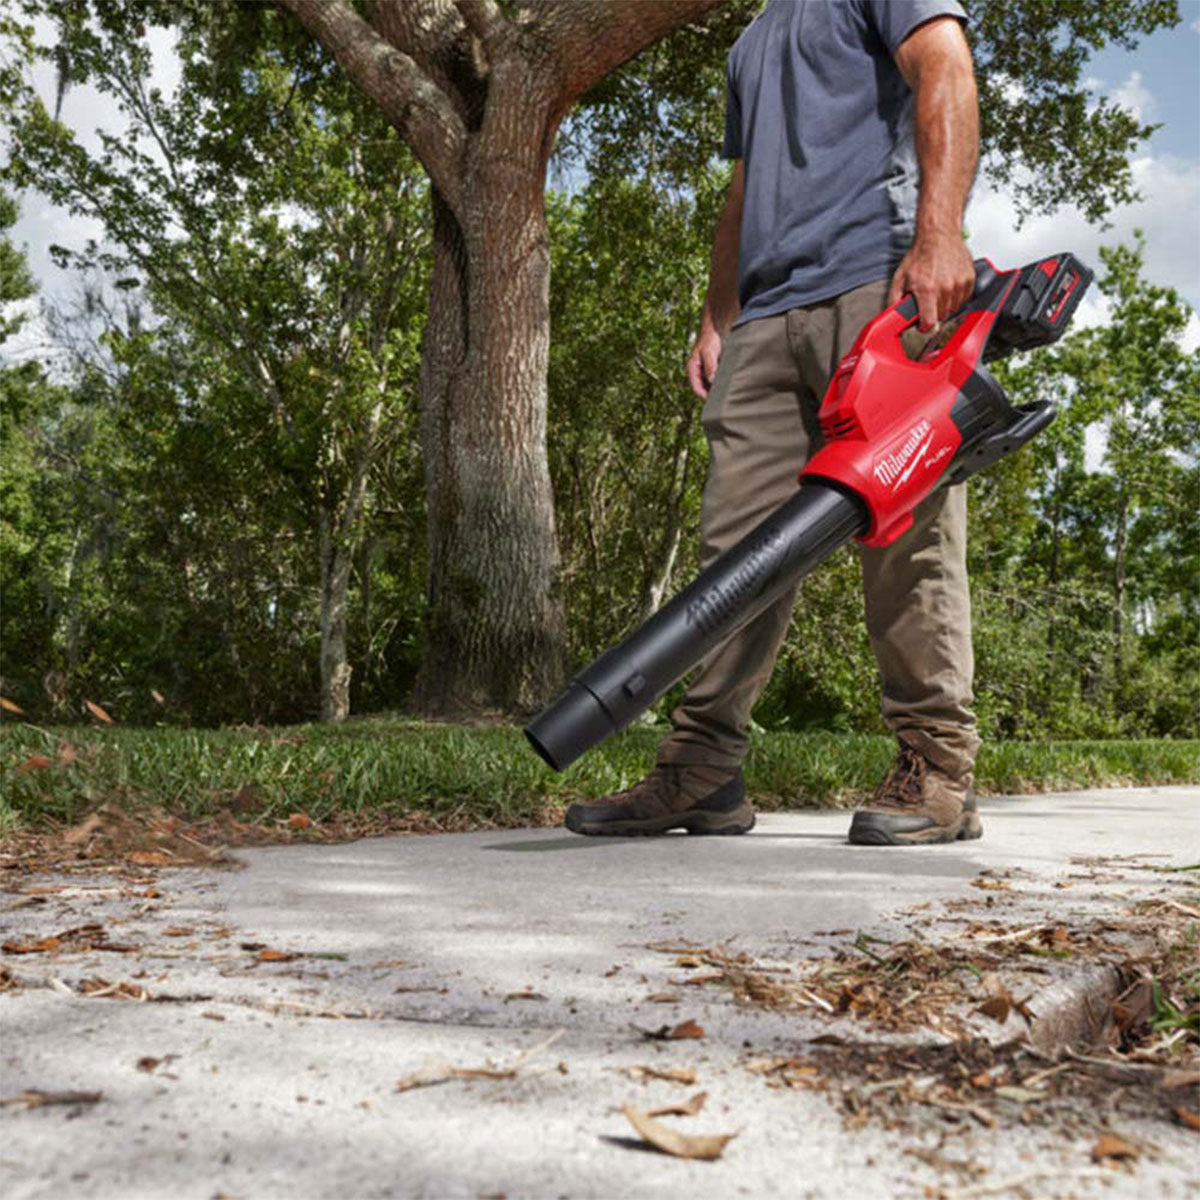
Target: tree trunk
{"x":495,"y":628}
{"x":335,"y":586}
{"x":1118,"y":618}
{"x":341,"y":535}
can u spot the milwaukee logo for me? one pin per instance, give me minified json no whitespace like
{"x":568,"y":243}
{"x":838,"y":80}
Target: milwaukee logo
{"x":710,"y":609}
{"x":891,"y":470}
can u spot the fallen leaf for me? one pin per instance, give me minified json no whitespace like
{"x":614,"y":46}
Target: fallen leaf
{"x":663,"y":998}
{"x":84,"y":830}
{"x":148,"y":1064}
{"x":688,"y":1108}
{"x":299,"y":821}
{"x":9,"y":706}
{"x":1186,"y":1117}
{"x":525,"y":995}
{"x":269,"y":955}
{"x":686,"y":1029}
{"x":41,"y":946}
{"x":98,"y":712}
{"x":177,"y":931}
{"x":158,"y":696}
{"x":991,"y":885}
{"x":67,"y":754}
{"x":150,"y":858}
{"x":38,"y":1099}
{"x":689,"y":961}
{"x":1108,"y":1145}
{"x":35,"y":762}
{"x":671,"y":1141}
{"x":1178,"y":1079}
{"x":996,"y":1007}
{"x":683,"y":1075}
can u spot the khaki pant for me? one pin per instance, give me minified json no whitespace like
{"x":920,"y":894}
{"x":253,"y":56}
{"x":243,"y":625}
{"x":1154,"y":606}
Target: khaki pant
{"x":761,"y":422}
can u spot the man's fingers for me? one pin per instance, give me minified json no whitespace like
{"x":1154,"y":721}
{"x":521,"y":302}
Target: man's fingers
{"x":927,"y":307}
{"x":695,"y":374}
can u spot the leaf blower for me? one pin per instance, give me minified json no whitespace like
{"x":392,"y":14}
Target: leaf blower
{"x":894,"y":430}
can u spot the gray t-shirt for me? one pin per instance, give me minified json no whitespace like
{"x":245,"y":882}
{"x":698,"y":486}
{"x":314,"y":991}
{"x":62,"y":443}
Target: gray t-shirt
{"x":820,"y":113}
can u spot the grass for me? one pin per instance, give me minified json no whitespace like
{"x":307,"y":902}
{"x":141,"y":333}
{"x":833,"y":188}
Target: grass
{"x":462,"y":776}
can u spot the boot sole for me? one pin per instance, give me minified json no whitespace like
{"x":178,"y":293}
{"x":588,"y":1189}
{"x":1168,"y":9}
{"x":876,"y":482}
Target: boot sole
{"x":717,"y":824}
{"x":873,"y":829}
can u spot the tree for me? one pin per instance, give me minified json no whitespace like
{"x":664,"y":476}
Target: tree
{"x":478,"y":89}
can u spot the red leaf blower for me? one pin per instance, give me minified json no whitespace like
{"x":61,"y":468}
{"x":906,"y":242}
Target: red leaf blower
{"x":895,"y":430}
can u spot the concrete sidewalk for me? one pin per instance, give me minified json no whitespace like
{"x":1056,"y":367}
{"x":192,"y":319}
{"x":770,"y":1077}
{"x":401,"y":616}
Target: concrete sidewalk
{"x":473,"y":948}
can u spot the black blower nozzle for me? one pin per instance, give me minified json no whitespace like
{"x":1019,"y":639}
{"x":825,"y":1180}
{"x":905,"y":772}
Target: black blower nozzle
{"x":621,"y":684}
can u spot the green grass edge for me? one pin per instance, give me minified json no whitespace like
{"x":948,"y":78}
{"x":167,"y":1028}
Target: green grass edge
{"x":479,"y":776}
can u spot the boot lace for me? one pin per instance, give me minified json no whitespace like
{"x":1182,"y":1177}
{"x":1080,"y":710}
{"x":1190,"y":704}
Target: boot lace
{"x":904,"y":785}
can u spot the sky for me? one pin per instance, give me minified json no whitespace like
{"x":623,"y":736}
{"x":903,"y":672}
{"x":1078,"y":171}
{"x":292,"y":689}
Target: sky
{"x":1159,"y":81}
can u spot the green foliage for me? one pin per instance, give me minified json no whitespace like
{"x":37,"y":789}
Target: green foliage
{"x":237,"y":445}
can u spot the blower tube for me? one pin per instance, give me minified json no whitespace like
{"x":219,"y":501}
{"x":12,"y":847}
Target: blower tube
{"x":626,"y":680}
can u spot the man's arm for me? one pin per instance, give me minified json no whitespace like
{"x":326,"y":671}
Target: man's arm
{"x":936,"y":63}
{"x":721,"y":301}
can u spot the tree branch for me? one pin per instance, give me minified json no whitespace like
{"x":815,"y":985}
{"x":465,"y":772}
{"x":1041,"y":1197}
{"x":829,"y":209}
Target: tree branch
{"x":592,"y":37}
{"x":421,"y":112}
{"x":485,"y":20}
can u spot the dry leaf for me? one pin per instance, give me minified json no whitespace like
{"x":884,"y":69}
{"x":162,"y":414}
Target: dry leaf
{"x":1108,"y":1145}
{"x":84,"y":830}
{"x":9,"y":706}
{"x":671,"y":1141}
{"x":177,"y":931}
{"x":98,"y":712}
{"x":1178,"y":1079}
{"x":683,"y":1075}
{"x":1186,"y":1117}
{"x":269,"y":955}
{"x":35,"y":762}
{"x":991,"y":885}
{"x":996,"y":1007}
{"x":663,"y":998}
{"x":41,"y":946}
{"x":37,"y":1099}
{"x":150,"y":858}
{"x":148,"y":1064}
{"x":299,"y":821}
{"x":525,"y":995}
{"x":158,"y":696}
{"x":686,"y":1029}
{"x":67,"y":754}
{"x":689,"y":1108}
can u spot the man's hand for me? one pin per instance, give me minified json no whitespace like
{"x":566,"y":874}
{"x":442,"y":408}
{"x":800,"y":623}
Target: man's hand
{"x":938,"y":270}
{"x":702,"y":362}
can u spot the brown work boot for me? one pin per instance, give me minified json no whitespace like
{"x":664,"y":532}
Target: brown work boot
{"x":673,"y":796}
{"x":915,"y":804}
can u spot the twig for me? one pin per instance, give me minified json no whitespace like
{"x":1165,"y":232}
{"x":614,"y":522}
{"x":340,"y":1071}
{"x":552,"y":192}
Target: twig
{"x":997,"y":1187}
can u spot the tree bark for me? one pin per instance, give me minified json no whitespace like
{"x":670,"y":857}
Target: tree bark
{"x":1118,"y":616}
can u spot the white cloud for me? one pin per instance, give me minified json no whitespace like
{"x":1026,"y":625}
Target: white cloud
{"x":1134,"y":96}
{"x":1190,"y":341}
{"x":1167,"y":213}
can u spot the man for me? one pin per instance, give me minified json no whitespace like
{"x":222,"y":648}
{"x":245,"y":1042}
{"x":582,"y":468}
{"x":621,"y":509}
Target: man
{"x":854,"y":130}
